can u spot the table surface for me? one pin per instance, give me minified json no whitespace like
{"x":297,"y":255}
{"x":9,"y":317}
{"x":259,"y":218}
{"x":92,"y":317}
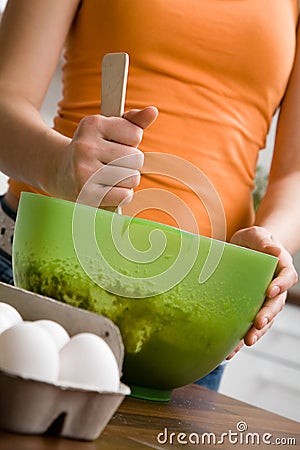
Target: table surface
{"x":195,"y":417}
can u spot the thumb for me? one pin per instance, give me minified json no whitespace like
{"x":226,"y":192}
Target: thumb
{"x":143,"y":118}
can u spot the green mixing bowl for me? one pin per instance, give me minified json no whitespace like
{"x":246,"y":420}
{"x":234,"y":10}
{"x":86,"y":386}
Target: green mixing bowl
{"x":182,"y":301}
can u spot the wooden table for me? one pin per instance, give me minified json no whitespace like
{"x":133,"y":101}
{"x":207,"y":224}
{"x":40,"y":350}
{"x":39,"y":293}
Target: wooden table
{"x":180,"y":423}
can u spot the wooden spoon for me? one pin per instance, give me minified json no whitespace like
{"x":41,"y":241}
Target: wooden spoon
{"x":113,"y":93}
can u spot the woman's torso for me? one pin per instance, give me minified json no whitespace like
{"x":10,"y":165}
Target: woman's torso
{"x":216,"y":69}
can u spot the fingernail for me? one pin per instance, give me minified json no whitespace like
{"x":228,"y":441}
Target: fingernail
{"x":254,"y":339}
{"x":274,"y":291}
{"x":265,"y":322}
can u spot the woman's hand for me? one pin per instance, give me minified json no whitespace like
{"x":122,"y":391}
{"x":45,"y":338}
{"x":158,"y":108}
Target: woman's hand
{"x":104,"y":159}
{"x":258,"y":238}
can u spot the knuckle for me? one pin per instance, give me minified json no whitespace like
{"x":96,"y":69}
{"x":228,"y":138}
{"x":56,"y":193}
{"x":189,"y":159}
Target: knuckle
{"x":257,"y":231}
{"x":94,"y":121}
{"x":86,"y":155}
{"x":89,"y":124}
{"x":122,"y":195}
{"x":133,"y":160}
{"x":91,"y":121}
{"x":134,"y":180}
{"x":137,"y":136}
{"x":82,"y":148}
{"x":295,"y":276}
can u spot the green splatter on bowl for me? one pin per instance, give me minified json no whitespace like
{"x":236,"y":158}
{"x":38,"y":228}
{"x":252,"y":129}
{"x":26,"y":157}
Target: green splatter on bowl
{"x":144,"y":276}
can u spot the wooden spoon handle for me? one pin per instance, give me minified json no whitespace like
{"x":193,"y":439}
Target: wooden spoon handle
{"x":113,"y":92}
{"x":114,"y":82}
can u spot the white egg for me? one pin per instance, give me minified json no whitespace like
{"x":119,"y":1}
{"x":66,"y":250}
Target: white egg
{"x":56,"y":331}
{"x":5,"y":323}
{"x":9,"y":316}
{"x":88,"y":362}
{"x":29,"y":351}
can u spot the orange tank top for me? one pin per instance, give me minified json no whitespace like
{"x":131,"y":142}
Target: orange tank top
{"x":216,"y":70}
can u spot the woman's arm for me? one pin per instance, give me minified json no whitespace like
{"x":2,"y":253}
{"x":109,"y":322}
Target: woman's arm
{"x":32,"y":34}
{"x":278,"y":217}
{"x":279,"y":211}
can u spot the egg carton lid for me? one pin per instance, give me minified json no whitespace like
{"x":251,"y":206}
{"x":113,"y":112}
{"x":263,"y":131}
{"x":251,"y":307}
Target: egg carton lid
{"x":35,"y":407}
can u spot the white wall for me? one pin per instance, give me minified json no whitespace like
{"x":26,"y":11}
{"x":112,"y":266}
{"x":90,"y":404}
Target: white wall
{"x":2,"y":4}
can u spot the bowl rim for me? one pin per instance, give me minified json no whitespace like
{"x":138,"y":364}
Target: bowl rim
{"x":140,"y":221}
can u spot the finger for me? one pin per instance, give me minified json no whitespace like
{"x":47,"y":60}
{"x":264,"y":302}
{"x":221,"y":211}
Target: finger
{"x":117,"y":176}
{"x":97,"y":195}
{"x":142,"y":118}
{"x":286,"y":278}
{"x":254,"y":334}
{"x":93,"y":129}
{"x":271,"y":248}
{"x":121,"y":155}
{"x":235,"y":351}
{"x":89,"y":144}
{"x":117,"y":196}
{"x":269,"y":311}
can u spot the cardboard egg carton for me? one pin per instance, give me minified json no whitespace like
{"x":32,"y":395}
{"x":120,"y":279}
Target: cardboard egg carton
{"x":35,"y":407}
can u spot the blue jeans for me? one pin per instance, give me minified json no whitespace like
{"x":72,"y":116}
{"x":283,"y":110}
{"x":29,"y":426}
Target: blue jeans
{"x":6,"y":275}
{"x":213,"y":379}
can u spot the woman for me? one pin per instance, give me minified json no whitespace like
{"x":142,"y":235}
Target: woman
{"x":216,"y":71}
